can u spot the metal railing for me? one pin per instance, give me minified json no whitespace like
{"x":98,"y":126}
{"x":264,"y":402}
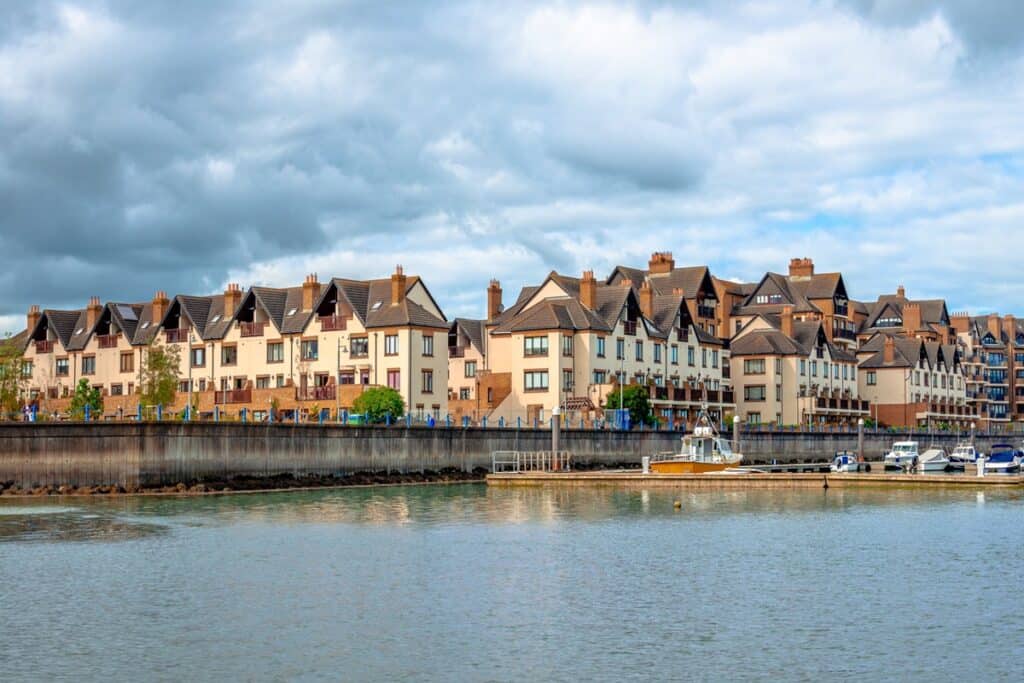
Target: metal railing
{"x":531,"y":461}
{"x":107,"y":341}
{"x":44,"y":346}
{"x":176,"y":335}
{"x":333,"y":323}
{"x":324,"y":392}
{"x":252,"y":329}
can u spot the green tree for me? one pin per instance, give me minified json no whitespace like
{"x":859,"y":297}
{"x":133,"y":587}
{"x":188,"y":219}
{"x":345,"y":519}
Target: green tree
{"x":12,"y":377}
{"x":637,"y":400}
{"x":378,"y":402}
{"x":86,"y":395}
{"x":160,"y":372}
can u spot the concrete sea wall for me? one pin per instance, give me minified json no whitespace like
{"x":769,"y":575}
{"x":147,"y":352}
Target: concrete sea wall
{"x":165,"y":453}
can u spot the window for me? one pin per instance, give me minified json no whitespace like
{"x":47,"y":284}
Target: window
{"x":127,"y":362}
{"x":359,"y":347}
{"x":657,"y":353}
{"x":566,"y":379}
{"x":673,"y":354}
{"x":391,"y":345}
{"x":117,"y":390}
{"x":183,"y":386}
{"x":535,"y":380}
{"x":279,"y":381}
{"x":62,"y":367}
{"x":814,"y":368}
{"x":711,"y":329}
{"x":535,"y":346}
{"x":703,"y":358}
{"x":428,"y":345}
{"x":714,"y":358}
{"x":753,"y":366}
{"x":600,"y":347}
{"x":600,"y":376}
{"x":275,"y":352}
{"x":825,"y":368}
{"x":348,"y":377}
{"x":395,"y":379}
{"x":566,"y":345}
{"x":428,"y":381}
{"x":689,"y":356}
{"x":803,"y":368}
{"x":778,"y":366}
{"x":754,"y":393}
{"x":464,"y":394}
{"x":639,"y":350}
{"x":26,"y":368}
{"x":198,"y":357}
{"x":835,"y":371}
{"x":263,"y":382}
{"x":754,"y":418}
{"x":229,"y":355}
{"x":778,"y":392}
{"x":872,"y":378}
{"x":310,"y":349}
{"x":88,"y":365}
{"x":846,"y":372}
{"x":620,"y":349}
{"x":470,"y":368}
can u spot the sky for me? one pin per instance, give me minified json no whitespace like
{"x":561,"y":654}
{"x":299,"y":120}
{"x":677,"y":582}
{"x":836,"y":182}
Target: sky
{"x":184,"y":145}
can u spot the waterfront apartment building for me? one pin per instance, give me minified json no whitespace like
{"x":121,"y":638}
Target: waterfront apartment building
{"x":309,"y":348}
{"x":910,"y":381}
{"x":993,"y":356}
{"x":569,"y":342}
{"x":787,"y":371}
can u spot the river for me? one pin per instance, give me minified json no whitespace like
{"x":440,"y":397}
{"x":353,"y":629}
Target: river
{"x":466,"y":583}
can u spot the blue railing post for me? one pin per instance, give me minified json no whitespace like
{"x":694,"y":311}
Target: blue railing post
{"x":216,"y":413}
{"x":408,"y":420}
{"x":536,"y":422}
{"x":270,"y":414}
{"x":138,"y":413}
{"x":483,"y":422}
{"x":465,"y":421}
{"x":243,"y":414}
{"x":159,"y":412}
{"x":35,"y":412}
{"x":519,"y":421}
{"x":296,"y":414}
{"x":87,"y":412}
{"x":344,"y":416}
{"x":501,"y":422}
{"x":387,"y":419}
{"x":320,"y":417}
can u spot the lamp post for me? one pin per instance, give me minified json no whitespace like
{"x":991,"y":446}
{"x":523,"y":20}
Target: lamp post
{"x":337,"y":382}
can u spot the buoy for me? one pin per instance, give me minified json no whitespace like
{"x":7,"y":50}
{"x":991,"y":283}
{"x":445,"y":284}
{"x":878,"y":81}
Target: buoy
{"x":678,"y":505}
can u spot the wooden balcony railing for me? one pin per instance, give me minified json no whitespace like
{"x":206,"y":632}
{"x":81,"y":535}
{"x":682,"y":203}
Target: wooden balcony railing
{"x":233,"y":396}
{"x":705,"y":311}
{"x":456,"y":351}
{"x":321,"y":393}
{"x":107,"y":341}
{"x":44,"y":346}
{"x":629,"y":328}
{"x":176,"y":336}
{"x":333,"y":323}
{"x":252,"y":329}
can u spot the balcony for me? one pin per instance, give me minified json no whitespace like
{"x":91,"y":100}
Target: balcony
{"x":629,"y":328}
{"x":44,"y":346}
{"x":252,"y":329}
{"x":682,"y":335}
{"x":322,"y":393}
{"x":846,"y":334}
{"x":108,"y":341}
{"x":705,"y":311}
{"x":233,"y":396}
{"x":331,"y":323}
{"x":456,"y":351}
{"x":176,"y":336}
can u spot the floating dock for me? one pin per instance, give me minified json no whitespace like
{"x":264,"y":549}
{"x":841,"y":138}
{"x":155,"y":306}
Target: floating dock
{"x":752,"y":480}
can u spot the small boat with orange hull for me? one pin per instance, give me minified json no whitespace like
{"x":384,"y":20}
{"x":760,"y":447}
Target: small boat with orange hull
{"x":702,"y":451}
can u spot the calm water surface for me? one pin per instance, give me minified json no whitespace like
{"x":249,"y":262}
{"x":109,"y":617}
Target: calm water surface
{"x":466,"y":583}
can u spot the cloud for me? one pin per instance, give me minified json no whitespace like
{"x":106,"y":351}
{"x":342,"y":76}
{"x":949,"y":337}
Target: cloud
{"x":180,"y":146}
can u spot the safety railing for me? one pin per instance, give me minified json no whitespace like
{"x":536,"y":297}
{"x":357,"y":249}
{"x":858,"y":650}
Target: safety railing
{"x":531,"y":461}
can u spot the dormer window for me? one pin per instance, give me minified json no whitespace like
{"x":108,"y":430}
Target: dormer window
{"x":292,"y":311}
{"x":768,"y":299}
{"x":889,"y":322}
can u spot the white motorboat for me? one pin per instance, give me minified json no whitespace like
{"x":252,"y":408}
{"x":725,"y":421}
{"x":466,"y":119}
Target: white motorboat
{"x":903,"y":456}
{"x":933,"y":460}
{"x":1004,"y":459}
{"x":845,"y":461}
{"x":963,"y":455}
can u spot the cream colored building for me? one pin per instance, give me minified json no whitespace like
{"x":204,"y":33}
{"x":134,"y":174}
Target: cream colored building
{"x":787,"y":372}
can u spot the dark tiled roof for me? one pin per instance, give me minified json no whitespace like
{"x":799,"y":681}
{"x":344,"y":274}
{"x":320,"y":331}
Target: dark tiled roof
{"x":474,"y":331}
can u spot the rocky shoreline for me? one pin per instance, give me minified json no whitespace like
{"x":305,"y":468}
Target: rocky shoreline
{"x":243,"y":484}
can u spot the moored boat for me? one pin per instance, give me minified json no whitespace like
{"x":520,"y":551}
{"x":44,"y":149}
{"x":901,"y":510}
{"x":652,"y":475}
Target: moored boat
{"x":933,"y":460}
{"x":702,"y":451}
{"x":845,"y":461}
{"x":903,"y":456}
{"x":964,"y":454}
{"x":1003,"y":459}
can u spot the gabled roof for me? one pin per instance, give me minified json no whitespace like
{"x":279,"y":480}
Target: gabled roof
{"x":689,"y":280}
{"x":205,"y":313}
{"x":774,"y":284}
{"x":807,"y":335}
{"x":371,"y":302}
{"x":474,"y":331}
{"x":933,"y":311}
{"x":558,"y":314}
{"x":906,"y":354}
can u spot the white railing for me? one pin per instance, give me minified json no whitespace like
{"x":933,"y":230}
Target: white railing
{"x":535,"y":461}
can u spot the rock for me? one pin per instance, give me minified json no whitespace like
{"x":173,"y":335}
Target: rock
{"x":64,"y":490}
{"x":198,"y":488}
{"x":226,"y":489}
{"x":181,"y":487}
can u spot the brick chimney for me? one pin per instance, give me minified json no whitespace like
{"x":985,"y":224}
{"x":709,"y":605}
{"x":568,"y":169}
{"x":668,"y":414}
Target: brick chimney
{"x":901,"y":292}
{"x":588,"y":290}
{"x":646,"y":300}
{"x":911,"y":318}
{"x":160,"y":304}
{"x":311,"y":292}
{"x":398,"y":285}
{"x":232,"y":297}
{"x":961,"y":322}
{"x":625,"y":282}
{"x":1010,"y":327}
{"x":889,"y":349}
{"x":801,"y":268}
{"x":33,"y":317}
{"x":993,"y":325}
{"x":661,"y":262}
{"x":787,"y":321}
{"x":92,"y":312}
{"x":494,"y":305}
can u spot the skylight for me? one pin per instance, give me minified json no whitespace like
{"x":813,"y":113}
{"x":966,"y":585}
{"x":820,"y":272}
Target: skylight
{"x":292,"y":312}
{"x":127,"y":312}
{"x":79,"y":330}
{"x":376,"y":306}
{"x":216,"y":318}
{"x":145,"y":324}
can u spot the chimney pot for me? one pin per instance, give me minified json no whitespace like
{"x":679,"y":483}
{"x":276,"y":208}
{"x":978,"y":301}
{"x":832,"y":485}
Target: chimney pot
{"x":787,"y":321}
{"x":801,"y":268}
{"x":588,"y":290}
{"x":494,"y":306}
{"x":398,"y":285}
{"x":310,"y":292}
{"x":661,"y":262}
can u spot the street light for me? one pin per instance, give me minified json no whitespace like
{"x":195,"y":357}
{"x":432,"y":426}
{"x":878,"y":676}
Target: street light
{"x":337,"y":382}
{"x":188,"y":409}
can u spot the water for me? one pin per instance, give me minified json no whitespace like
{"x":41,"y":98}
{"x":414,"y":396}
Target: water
{"x":441,"y":583}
